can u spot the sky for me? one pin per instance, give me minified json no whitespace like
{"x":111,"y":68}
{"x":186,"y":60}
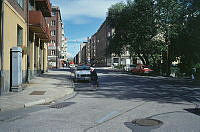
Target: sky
{"x":81,"y":19}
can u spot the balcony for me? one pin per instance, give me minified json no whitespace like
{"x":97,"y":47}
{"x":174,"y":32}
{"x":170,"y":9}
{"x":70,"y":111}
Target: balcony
{"x":38,"y":25}
{"x":44,"y":6}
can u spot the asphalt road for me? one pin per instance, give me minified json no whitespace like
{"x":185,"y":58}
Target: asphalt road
{"x":120,"y":99}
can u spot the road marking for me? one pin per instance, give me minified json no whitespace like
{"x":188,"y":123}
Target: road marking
{"x":107,"y":117}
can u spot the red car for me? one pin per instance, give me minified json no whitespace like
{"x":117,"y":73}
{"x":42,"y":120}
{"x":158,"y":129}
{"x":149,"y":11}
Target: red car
{"x":142,"y":69}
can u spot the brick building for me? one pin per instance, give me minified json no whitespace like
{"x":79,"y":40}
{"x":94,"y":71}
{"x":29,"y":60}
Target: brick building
{"x":96,"y":49}
{"x":54,"y":47}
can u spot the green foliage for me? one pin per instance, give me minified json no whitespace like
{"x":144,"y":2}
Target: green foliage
{"x":156,"y":30}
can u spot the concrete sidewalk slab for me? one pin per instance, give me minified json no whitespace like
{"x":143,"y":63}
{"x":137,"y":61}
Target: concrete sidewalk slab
{"x":55,"y":84}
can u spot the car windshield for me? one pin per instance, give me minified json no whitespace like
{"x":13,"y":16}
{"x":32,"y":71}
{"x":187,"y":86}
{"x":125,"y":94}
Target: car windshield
{"x":79,"y":68}
{"x":132,"y":65}
{"x":146,"y":67}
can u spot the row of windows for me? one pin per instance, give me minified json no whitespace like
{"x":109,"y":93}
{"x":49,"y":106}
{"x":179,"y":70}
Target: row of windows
{"x":53,"y":23}
{"x":53,"y":41}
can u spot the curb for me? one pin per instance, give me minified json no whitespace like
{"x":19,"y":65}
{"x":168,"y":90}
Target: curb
{"x":42,"y":101}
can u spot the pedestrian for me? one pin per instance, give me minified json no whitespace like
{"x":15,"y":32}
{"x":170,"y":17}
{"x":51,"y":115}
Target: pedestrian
{"x":94,"y":78}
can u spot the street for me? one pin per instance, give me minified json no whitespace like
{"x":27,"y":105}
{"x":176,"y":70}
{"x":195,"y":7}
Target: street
{"x":120,"y":99}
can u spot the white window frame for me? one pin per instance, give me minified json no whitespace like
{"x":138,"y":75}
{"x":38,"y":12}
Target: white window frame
{"x":53,"y":33}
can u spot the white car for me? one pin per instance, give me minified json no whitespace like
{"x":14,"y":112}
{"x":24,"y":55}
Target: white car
{"x":82,"y":73}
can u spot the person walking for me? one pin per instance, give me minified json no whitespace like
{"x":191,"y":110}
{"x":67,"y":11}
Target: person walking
{"x":94,"y":78}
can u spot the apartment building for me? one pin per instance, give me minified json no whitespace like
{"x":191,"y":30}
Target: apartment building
{"x":92,"y":43}
{"x":39,"y":35}
{"x":23,"y":41}
{"x":63,"y":48}
{"x":96,"y":49}
{"x":54,"y":47}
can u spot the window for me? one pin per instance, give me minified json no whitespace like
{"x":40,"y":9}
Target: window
{"x":53,"y":23}
{"x":31,"y":5}
{"x":21,"y":3}
{"x":53,"y":52}
{"x":53,"y":33}
{"x":115,"y":60}
{"x":53,"y":13}
{"x":108,"y":35}
{"x":53,"y":41}
{"x":19,"y":36}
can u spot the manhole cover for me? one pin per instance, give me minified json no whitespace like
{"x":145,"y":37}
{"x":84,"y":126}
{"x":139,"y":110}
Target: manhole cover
{"x":147,"y":122}
{"x":37,"y":93}
{"x":61,"y":105}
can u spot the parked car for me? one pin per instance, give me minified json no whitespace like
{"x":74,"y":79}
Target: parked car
{"x":72,"y":66}
{"x":142,"y":69}
{"x":146,"y":69}
{"x":129,"y":67}
{"x":82,"y":73}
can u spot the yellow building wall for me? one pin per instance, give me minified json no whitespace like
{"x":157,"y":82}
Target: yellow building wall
{"x":11,"y":20}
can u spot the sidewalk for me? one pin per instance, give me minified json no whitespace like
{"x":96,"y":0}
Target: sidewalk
{"x":45,"y":88}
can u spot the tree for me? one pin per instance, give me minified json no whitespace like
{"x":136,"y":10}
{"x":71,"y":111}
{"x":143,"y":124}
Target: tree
{"x":135,"y":27}
{"x":187,"y":43}
{"x":154,"y":28}
{"x":115,"y":21}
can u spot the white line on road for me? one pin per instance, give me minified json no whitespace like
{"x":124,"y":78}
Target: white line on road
{"x":108,"y":116}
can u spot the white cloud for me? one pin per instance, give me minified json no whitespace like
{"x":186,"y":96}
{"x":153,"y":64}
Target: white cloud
{"x":78,"y":40}
{"x":80,"y":20}
{"x":73,"y":9}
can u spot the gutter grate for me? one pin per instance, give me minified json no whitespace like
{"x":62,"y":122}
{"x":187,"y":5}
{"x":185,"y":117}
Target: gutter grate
{"x":147,"y":122}
{"x":37,"y":93}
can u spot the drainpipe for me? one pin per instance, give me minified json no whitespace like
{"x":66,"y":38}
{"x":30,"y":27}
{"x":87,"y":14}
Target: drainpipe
{"x":1,"y":46}
{"x":28,"y":47}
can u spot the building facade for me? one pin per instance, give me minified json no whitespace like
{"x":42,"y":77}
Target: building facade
{"x":39,"y":36}
{"x":13,"y":34}
{"x":24,"y":28}
{"x":54,"y":47}
{"x":95,"y":51}
{"x":63,"y":48}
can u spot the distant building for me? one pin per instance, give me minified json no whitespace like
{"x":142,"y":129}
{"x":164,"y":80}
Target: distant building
{"x":95,"y":50}
{"x":63,"y":48}
{"x":54,"y":47}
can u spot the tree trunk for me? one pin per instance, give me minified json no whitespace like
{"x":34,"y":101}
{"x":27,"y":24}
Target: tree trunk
{"x":142,"y":59}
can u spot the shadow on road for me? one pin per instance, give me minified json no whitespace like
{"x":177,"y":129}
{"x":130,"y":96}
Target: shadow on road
{"x":162,"y":90}
{"x":195,"y":111}
{"x":137,"y":128}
